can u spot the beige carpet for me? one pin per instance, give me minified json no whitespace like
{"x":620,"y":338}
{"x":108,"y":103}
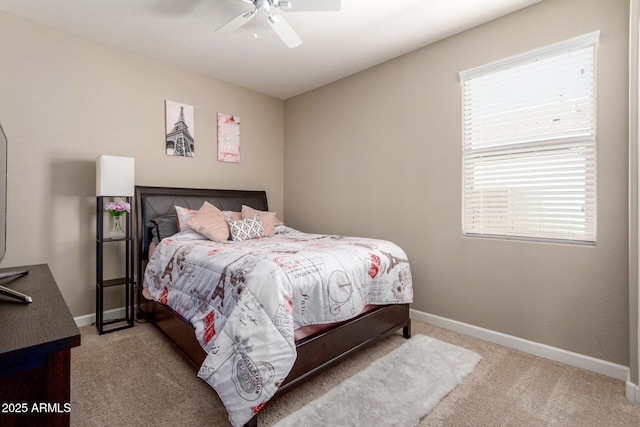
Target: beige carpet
{"x":134,"y":377}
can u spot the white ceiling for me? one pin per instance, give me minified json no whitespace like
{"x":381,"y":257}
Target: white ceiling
{"x":336,"y":44}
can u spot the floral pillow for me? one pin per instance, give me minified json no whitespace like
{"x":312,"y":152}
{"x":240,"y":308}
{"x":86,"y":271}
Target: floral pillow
{"x":245,"y":229}
{"x":183,"y":216}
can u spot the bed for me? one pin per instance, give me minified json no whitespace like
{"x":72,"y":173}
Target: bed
{"x":312,"y":354}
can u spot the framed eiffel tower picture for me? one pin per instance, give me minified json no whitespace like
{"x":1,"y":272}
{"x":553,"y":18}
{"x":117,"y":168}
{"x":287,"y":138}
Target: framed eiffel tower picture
{"x":179,"y":128}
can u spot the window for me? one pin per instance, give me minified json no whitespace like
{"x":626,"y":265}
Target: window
{"x":529,"y":160}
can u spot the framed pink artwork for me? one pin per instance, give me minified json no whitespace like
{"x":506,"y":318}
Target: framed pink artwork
{"x":228,"y":138}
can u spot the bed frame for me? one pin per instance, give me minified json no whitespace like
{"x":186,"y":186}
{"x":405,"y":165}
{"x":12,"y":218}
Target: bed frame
{"x":315,"y":353}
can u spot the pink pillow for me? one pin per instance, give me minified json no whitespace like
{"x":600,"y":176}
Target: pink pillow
{"x":236,"y":216}
{"x":268,"y":219}
{"x":211,"y":222}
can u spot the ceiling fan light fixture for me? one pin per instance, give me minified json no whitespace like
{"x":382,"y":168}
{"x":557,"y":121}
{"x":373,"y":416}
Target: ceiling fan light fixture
{"x":278,"y":23}
{"x":273,"y":19}
{"x":262,"y":5}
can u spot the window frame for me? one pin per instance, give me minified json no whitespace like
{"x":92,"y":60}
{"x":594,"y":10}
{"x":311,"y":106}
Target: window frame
{"x":471,"y":227}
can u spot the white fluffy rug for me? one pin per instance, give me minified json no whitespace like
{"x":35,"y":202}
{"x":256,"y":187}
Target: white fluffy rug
{"x":395,"y":390}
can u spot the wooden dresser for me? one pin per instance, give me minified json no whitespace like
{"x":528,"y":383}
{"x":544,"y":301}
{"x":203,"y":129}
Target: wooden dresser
{"x":35,"y":352}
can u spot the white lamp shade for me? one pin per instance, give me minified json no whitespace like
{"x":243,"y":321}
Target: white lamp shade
{"x":115,"y":176}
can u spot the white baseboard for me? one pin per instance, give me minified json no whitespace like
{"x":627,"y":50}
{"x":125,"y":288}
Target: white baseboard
{"x":633,"y":392}
{"x":90,"y":319}
{"x":537,"y":349}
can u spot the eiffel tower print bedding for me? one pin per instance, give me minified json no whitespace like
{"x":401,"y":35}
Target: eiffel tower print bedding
{"x":246,"y":298}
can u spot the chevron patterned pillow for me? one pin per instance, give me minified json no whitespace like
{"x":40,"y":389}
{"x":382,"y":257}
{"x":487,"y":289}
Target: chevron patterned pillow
{"x":244,"y":229}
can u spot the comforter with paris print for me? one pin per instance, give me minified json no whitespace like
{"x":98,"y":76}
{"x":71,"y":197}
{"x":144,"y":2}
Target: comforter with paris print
{"x":245,"y":299}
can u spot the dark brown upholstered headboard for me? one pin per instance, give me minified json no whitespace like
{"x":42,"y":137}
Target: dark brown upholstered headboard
{"x":152,"y":202}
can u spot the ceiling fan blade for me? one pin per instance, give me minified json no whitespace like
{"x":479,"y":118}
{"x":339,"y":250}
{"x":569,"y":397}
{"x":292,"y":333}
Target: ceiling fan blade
{"x":236,"y":22}
{"x":314,"y":6}
{"x":284,"y":30}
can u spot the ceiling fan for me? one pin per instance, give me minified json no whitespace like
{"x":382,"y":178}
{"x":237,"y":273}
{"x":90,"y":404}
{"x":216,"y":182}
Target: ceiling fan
{"x":279,"y":25}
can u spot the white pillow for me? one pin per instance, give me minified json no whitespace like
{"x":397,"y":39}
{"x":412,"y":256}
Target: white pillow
{"x":183,"y":216}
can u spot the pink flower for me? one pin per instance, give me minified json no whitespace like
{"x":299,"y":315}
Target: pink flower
{"x":117,"y":208}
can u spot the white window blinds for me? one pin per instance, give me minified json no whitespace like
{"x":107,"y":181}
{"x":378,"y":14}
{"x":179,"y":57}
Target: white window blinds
{"x":529,"y":167}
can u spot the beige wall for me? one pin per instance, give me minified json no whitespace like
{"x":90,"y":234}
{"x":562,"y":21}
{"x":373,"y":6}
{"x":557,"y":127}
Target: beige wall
{"x":376,"y":154}
{"x":379,"y":154}
{"x":64,"y":100}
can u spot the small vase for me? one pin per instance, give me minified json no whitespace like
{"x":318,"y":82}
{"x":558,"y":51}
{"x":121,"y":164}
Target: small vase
{"x":116,"y":232}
